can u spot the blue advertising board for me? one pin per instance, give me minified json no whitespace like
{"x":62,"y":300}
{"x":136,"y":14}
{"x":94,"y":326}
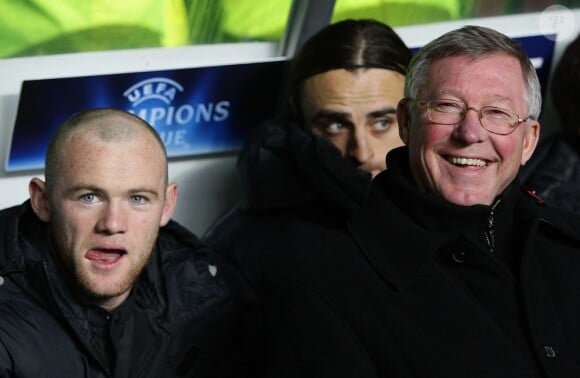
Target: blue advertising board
{"x":540,"y":49}
{"x":196,"y":111}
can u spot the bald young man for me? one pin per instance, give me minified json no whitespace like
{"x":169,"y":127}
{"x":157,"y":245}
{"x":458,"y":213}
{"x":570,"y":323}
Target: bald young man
{"x":95,"y":278}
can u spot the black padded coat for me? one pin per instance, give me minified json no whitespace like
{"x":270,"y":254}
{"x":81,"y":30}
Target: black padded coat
{"x":415,"y":286}
{"x":554,"y":172}
{"x":184,"y":307}
{"x":293,"y":182}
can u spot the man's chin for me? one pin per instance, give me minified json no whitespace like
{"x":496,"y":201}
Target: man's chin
{"x":103,"y":292}
{"x":467,"y":197}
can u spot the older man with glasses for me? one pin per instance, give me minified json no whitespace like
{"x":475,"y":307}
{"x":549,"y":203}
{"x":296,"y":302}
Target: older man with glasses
{"x":449,"y":269}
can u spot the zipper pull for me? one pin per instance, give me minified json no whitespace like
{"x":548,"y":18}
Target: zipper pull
{"x":490,"y":228}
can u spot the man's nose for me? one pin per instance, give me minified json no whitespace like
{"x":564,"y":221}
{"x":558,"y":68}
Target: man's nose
{"x":470,"y":130}
{"x":360,"y":147}
{"x":113,"y":218}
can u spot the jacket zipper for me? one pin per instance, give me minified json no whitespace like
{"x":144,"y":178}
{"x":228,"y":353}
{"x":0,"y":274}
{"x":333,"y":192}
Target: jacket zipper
{"x":489,"y":232}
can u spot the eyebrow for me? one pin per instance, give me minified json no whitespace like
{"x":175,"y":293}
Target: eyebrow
{"x":151,"y":192}
{"x":324,"y":114}
{"x":330,"y":114}
{"x":453,"y":92}
{"x":382,"y":112}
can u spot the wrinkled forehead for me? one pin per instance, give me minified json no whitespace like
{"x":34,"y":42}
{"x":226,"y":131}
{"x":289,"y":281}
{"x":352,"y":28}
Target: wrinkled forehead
{"x":497,"y":75}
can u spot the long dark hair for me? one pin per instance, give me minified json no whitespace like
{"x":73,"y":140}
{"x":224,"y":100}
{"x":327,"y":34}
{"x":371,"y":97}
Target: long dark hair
{"x":351,"y":45}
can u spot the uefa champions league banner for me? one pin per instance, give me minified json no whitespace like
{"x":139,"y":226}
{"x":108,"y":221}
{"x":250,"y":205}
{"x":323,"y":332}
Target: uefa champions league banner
{"x":196,"y":111}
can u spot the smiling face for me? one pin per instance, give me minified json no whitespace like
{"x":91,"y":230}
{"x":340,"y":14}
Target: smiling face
{"x":356,"y":111}
{"x":105,"y":210}
{"x":464,"y":163}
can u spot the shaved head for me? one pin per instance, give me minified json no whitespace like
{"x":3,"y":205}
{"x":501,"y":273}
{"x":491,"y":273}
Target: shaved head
{"x":106,"y":124}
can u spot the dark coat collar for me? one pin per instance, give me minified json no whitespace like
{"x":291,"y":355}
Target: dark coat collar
{"x":282,"y":166}
{"x":24,"y":248}
{"x":400,"y":227}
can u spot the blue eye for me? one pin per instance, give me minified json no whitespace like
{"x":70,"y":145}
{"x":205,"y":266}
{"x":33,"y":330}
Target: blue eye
{"x":137,"y":200}
{"x":382,"y":124}
{"x":88,"y":197}
{"x":335,"y":127}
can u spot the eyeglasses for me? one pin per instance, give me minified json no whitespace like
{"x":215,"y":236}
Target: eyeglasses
{"x":451,"y":112}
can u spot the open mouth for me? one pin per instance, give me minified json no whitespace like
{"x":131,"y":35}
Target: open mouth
{"x":466,"y":162}
{"x":105,"y":256}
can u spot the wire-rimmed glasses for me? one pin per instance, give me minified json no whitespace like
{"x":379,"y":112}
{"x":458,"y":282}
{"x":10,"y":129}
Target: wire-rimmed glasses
{"x":451,"y":112}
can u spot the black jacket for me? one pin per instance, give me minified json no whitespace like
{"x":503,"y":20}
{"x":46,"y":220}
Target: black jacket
{"x":293,"y":182}
{"x":182,"y":310}
{"x":414,"y":286}
{"x":554,"y":172}
{"x":288,"y":176}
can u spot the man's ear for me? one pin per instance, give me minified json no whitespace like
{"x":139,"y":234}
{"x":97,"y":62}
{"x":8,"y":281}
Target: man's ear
{"x":39,"y":199}
{"x":531,"y":138}
{"x":404,"y":119}
{"x":170,"y":203}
